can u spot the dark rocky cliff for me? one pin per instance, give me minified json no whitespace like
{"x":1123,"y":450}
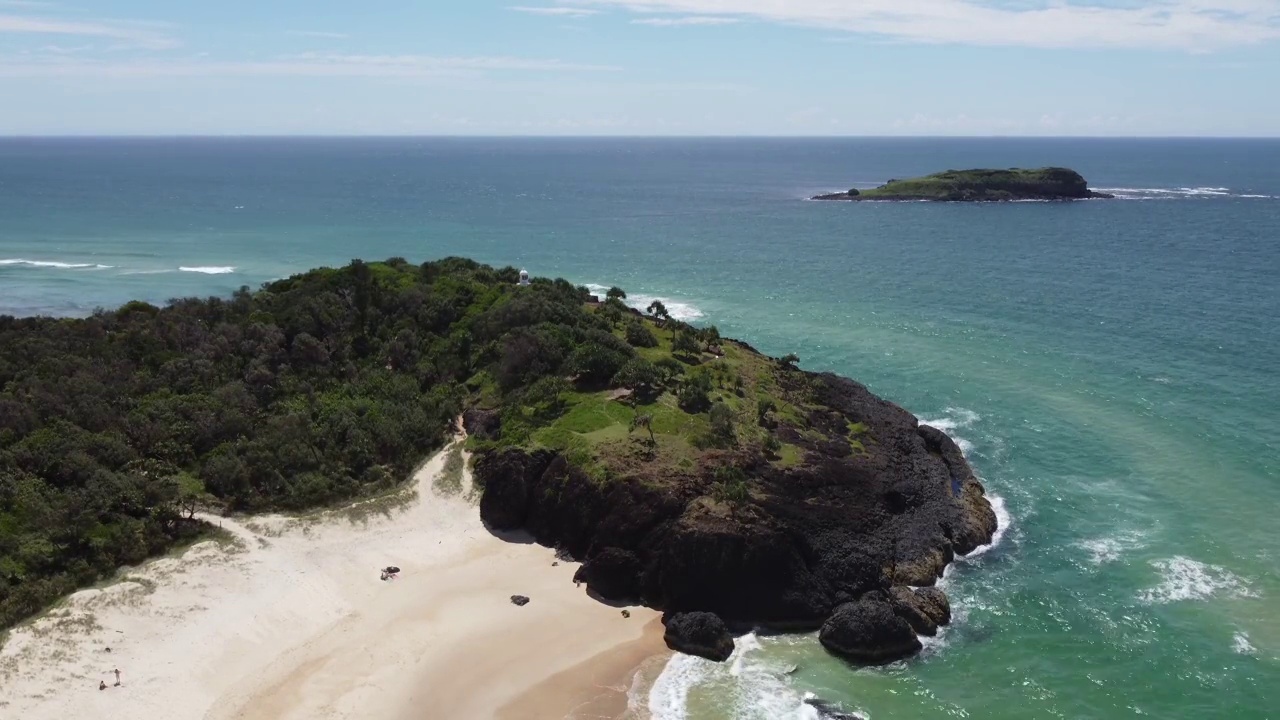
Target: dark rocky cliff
{"x":803,"y":540}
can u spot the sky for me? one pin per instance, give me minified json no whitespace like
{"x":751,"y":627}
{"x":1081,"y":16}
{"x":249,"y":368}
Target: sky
{"x":641,"y":67}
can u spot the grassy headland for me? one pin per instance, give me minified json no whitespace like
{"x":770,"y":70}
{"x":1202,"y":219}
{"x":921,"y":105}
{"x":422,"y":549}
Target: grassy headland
{"x":683,"y":468}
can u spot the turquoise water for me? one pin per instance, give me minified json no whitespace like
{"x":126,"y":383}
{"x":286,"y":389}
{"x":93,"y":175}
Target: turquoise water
{"x":1112,"y":368}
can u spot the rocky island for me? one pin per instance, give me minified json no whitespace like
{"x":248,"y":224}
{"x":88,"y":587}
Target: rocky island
{"x":685,"y":471}
{"x":980,"y":186}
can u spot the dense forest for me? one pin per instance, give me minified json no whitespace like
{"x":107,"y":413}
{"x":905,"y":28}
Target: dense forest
{"x":322,"y":387}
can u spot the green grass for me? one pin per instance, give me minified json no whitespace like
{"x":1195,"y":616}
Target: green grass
{"x":789,"y":456}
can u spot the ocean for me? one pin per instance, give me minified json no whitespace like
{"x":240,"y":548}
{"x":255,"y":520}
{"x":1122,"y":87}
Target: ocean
{"x":1111,"y":368}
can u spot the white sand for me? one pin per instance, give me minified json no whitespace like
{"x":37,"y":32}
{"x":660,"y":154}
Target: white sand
{"x":292,"y":621}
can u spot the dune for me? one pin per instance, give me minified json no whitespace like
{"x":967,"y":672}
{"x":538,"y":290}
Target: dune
{"x":285,"y":618}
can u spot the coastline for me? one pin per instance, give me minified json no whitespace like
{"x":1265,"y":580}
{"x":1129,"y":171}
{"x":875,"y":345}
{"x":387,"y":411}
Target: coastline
{"x":290,"y":620}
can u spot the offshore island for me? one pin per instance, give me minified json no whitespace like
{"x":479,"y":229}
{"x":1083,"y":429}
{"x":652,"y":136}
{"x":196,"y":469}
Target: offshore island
{"x":1052,"y":183}
{"x":654,"y":465}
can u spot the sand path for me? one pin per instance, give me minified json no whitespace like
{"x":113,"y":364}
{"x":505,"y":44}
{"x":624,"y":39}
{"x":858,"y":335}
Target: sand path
{"x":287,"y":618}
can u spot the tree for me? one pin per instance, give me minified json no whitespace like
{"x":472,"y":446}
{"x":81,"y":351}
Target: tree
{"x":710,"y":335}
{"x":616,"y":293}
{"x":612,"y":314}
{"x":694,"y":393}
{"x":646,"y":422}
{"x":685,"y":344}
{"x":639,"y":375}
{"x":789,"y":360}
{"x":668,"y":369}
{"x":595,"y":364}
{"x":658,"y":311}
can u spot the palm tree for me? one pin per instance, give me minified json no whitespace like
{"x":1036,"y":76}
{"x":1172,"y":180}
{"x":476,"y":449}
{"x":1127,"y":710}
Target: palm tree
{"x":646,"y":422}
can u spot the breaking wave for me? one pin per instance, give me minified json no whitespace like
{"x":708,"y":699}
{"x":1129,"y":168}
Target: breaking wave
{"x":1125,"y":193}
{"x":53,"y":264}
{"x":680,"y":310}
{"x":208,"y":269}
{"x":1186,"y":579}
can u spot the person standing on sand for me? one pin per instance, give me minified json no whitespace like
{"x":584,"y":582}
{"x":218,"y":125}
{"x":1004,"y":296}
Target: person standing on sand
{"x":117,"y":677}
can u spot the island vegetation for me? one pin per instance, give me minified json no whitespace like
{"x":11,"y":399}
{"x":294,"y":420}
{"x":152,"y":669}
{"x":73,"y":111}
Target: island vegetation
{"x":686,"y":470}
{"x":1052,"y":183}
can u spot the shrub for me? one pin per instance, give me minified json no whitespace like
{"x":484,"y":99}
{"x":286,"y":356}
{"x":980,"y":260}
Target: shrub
{"x":722,"y":431}
{"x":639,"y":335}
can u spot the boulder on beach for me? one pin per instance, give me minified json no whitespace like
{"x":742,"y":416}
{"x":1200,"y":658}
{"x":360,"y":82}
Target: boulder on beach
{"x":699,"y":633}
{"x":520,"y":600}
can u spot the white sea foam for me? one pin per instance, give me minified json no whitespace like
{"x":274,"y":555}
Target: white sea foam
{"x":761,"y":688}
{"x":679,"y":309}
{"x":1240,"y":643}
{"x":1109,"y":549}
{"x":1003,"y":522}
{"x":669,"y":696}
{"x":1185,"y":579}
{"x":55,"y":264}
{"x":1127,"y":193}
{"x":954,"y":419}
{"x":208,"y":269}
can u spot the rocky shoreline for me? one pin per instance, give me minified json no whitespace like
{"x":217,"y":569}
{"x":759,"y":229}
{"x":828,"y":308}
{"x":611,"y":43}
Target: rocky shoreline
{"x":837,"y":542}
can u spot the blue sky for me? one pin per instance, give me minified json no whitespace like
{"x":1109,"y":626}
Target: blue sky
{"x":641,"y":67}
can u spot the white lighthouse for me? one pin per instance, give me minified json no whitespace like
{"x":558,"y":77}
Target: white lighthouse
{"x":524,"y":278}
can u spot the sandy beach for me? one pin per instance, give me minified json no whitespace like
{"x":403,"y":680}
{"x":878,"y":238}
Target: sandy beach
{"x":288,"y":618}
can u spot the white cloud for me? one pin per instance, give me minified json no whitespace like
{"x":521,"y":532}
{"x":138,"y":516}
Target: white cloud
{"x":308,"y":64}
{"x":575,"y":12}
{"x":1158,"y":24}
{"x":687,"y":20}
{"x":136,"y":34}
{"x":318,"y":34}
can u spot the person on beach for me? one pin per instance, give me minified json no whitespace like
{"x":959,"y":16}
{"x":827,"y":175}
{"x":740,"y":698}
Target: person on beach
{"x":117,"y":677}
{"x":102,"y":684}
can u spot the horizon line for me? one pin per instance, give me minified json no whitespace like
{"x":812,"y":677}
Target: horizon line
{"x":443,"y":136}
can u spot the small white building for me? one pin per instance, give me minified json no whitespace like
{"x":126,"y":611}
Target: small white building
{"x":524,"y":278}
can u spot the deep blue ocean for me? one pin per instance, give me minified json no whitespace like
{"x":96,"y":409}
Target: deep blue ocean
{"x":1112,"y":368}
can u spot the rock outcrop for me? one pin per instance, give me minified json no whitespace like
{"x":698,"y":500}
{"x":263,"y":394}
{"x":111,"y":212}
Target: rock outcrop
{"x":613,"y":573}
{"x":921,"y":608}
{"x":699,"y":633}
{"x":869,"y":631}
{"x":876,"y":501}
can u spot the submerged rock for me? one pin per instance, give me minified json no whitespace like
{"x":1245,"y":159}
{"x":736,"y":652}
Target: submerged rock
{"x":869,"y":631}
{"x":699,"y":633}
{"x":831,"y":711}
